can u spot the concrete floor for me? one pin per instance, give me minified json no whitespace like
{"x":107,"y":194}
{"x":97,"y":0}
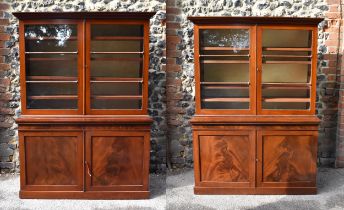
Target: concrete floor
{"x":176,"y":192}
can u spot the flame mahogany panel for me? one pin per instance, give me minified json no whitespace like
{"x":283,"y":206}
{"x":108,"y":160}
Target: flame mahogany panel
{"x":225,"y":157}
{"x":115,"y":160}
{"x":287,"y":158}
{"x":53,"y":160}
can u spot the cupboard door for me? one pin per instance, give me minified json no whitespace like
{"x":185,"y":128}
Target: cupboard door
{"x":287,"y":68}
{"x":287,"y":158}
{"x":117,"y":161}
{"x":52,"y":66}
{"x":225,"y":158}
{"x":117,"y":66}
{"x":51,"y":160}
{"x":224,"y":64}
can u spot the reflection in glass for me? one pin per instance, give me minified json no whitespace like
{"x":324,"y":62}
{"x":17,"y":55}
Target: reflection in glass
{"x":50,"y":38}
{"x":235,"y":38}
{"x":109,"y":30}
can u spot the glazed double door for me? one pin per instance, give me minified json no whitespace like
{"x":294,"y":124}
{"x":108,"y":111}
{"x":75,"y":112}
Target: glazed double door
{"x":255,"y":158}
{"x":84,"y":160}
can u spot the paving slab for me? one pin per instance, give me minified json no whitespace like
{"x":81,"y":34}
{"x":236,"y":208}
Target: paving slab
{"x":330,"y":195}
{"x":9,"y":200}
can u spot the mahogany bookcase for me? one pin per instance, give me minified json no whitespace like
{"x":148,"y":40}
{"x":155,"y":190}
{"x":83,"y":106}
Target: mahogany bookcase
{"x":84,"y":130}
{"x":255,"y":129}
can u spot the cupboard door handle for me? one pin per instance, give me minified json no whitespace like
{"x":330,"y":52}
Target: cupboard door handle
{"x":88,"y":169}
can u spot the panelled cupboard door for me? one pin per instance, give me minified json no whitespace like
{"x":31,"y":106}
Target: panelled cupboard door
{"x":53,"y":160}
{"x":225,"y":158}
{"x":286,"y":158}
{"x":117,"y":161}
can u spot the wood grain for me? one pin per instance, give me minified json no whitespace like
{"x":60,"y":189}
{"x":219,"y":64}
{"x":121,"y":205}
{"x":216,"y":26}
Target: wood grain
{"x":116,"y":160}
{"x":288,"y":158}
{"x":225,"y":158}
{"x":53,"y":160}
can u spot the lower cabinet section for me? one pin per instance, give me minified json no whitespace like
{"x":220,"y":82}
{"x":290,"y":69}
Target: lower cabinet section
{"x":87,"y":164}
{"x":255,"y":159}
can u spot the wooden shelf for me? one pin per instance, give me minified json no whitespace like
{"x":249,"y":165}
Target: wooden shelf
{"x":117,"y":59}
{"x":52,"y":59}
{"x":246,"y":55}
{"x":277,"y":84}
{"x":286,"y":100}
{"x":286,"y":49}
{"x":287,"y":62}
{"x":226,"y":100}
{"x":225,"y":61}
{"x":115,"y":79}
{"x":116,"y":97}
{"x":226,"y":83}
{"x":215,"y":87}
{"x":97,"y":38}
{"x":53,"y":78}
{"x":286,"y":86}
{"x":116,"y":52}
{"x":224,"y":48}
{"x":54,"y":97}
{"x":286,"y":56}
{"x":49,"y":38}
{"x":34,"y":53}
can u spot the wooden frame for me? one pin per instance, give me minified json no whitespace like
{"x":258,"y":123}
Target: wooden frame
{"x":255,"y":91}
{"x":84,"y":53}
{"x":281,"y":140}
{"x":80,"y":67}
{"x":313,"y":67}
{"x":145,"y":65}
{"x":252,"y":73}
{"x":73,"y":131}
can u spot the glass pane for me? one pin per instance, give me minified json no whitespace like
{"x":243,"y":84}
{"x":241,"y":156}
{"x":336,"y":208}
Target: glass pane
{"x":108,"y":30}
{"x":224,"y":65}
{"x":286,"y":69}
{"x":225,"y":72}
{"x":116,"y":66}
{"x":116,"y":46}
{"x":52,"y":104}
{"x":285,"y":73}
{"x":51,"y":66}
{"x":52,"y":95}
{"x":116,"y":104}
{"x":116,"y":89}
{"x":286,"y":105}
{"x":286,"y":38}
{"x":235,"y":38}
{"x":51,"y":38}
